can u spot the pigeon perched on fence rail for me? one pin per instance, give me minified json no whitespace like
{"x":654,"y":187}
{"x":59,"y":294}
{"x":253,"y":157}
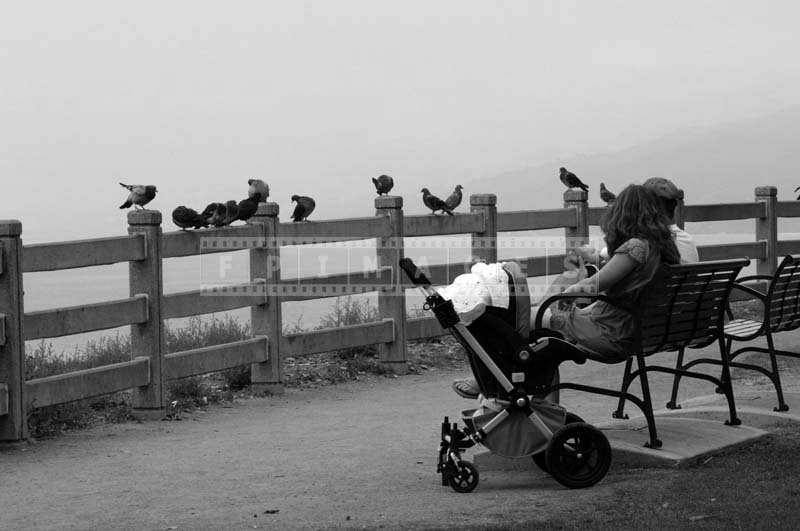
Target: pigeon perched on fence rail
{"x":606,"y":195}
{"x":305,"y":206}
{"x":571,"y":180}
{"x":434,"y":203}
{"x":247,"y":208}
{"x":383,"y":184}
{"x":139,"y":195}
{"x":220,"y":215}
{"x":231,"y":211}
{"x":455,"y":198}
{"x":259,"y":190}
{"x":188,"y":218}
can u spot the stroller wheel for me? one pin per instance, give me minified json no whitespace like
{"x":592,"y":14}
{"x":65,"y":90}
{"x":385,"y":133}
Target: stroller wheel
{"x":541,"y":458}
{"x":465,"y":478}
{"x":578,"y":456}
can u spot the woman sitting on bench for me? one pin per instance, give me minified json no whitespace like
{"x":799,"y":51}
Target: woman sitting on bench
{"x":639,"y":240}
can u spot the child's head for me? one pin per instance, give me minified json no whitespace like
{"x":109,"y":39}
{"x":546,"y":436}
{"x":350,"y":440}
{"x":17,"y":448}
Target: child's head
{"x":637,"y":214}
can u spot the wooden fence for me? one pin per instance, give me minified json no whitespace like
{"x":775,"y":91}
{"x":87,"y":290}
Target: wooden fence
{"x":145,"y":247}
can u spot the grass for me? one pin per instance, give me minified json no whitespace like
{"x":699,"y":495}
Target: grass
{"x":188,"y":393}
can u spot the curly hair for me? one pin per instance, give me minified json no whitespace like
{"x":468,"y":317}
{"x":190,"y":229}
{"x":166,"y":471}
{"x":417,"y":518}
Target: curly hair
{"x":636,"y":213}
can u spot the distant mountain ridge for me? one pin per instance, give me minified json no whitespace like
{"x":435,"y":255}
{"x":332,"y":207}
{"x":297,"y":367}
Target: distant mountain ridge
{"x":716,"y":164}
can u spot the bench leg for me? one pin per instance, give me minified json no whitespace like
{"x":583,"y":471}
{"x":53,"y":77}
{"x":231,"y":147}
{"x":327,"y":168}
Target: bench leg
{"x":727,"y":385}
{"x":654,"y":442}
{"x":673,"y":399}
{"x":619,"y":413}
{"x":776,"y":376}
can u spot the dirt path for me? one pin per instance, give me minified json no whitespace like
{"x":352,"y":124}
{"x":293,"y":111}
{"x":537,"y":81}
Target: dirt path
{"x":350,"y":455}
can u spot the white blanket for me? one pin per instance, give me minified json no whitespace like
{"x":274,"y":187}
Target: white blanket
{"x":485,"y":285}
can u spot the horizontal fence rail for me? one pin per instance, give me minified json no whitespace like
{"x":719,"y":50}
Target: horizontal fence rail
{"x":524,"y":220}
{"x":318,"y":232}
{"x":263,"y":237}
{"x":82,"y":253}
{"x":88,"y":383}
{"x":442,"y":225}
{"x":319,"y":287}
{"x":86,"y":318}
{"x":215,"y":358}
{"x":212,"y":300}
{"x":724,"y":212}
{"x":207,"y":241}
{"x":326,"y":340}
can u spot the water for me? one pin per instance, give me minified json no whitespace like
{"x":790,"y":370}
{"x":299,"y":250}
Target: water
{"x":56,"y":289}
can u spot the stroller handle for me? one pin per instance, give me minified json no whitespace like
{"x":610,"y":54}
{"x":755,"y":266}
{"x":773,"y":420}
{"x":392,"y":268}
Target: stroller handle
{"x":417,"y":277}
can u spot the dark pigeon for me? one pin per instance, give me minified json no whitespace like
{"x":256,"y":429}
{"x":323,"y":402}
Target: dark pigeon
{"x":455,"y":198}
{"x":383,"y":184}
{"x":188,"y":218}
{"x":231,"y":212}
{"x":606,"y":195}
{"x":259,"y":190}
{"x":305,"y":206}
{"x":139,"y":195}
{"x":247,"y":208}
{"x":571,"y":180}
{"x":220,"y":215}
{"x":434,"y":203}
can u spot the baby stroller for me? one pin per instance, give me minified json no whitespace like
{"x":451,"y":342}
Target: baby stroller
{"x":515,"y":371}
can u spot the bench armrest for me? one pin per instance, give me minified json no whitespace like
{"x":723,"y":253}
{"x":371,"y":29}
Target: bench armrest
{"x":754,"y":277}
{"x":747,"y":289}
{"x":569,"y":296}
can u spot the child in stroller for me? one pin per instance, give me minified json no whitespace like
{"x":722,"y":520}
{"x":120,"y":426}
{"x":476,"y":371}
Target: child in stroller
{"x":514,"y":370}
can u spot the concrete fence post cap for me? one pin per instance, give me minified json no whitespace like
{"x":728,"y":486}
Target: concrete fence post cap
{"x":574,"y":194}
{"x":768,"y":191}
{"x":268,"y":209}
{"x":144,"y":217}
{"x":389,"y":201}
{"x":483,"y":200}
{"x":10,"y":227}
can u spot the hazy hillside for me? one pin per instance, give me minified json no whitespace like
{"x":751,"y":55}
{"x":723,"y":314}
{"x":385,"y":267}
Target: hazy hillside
{"x":722,"y":163}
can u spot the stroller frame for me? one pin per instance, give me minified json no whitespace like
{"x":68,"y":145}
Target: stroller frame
{"x":569,"y":446}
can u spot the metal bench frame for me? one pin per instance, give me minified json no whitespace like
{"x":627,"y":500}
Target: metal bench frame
{"x":683,"y":306}
{"x":781,"y":303}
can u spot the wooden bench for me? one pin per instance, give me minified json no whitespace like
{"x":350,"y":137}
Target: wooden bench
{"x":781,"y":313}
{"x":683,"y":306}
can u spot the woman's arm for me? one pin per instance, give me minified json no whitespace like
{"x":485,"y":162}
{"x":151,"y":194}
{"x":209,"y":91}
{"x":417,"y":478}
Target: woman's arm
{"x":617,"y":268}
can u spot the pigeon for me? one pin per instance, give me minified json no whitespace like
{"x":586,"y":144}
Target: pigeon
{"x":795,"y":191}
{"x":434,"y":203}
{"x":247,"y":207}
{"x":231,"y":212}
{"x":571,"y":180}
{"x":606,"y":195}
{"x":383,"y":184}
{"x":259,"y":190}
{"x":209,"y":211}
{"x":187,"y":218}
{"x":305,"y":206}
{"x":219,"y":215}
{"x":454,"y":200}
{"x":140,"y":195}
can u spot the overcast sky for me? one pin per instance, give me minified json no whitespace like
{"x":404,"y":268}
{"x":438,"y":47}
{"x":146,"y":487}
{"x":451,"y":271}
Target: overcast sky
{"x":317,"y":97}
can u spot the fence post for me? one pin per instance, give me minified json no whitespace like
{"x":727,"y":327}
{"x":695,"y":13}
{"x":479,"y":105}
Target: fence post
{"x":767,"y":228}
{"x":392,"y":299}
{"x":680,"y":211}
{"x":578,"y":235}
{"x":13,"y":423}
{"x":147,"y":339}
{"x":265,"y":318}
{"x":484,"y":244}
